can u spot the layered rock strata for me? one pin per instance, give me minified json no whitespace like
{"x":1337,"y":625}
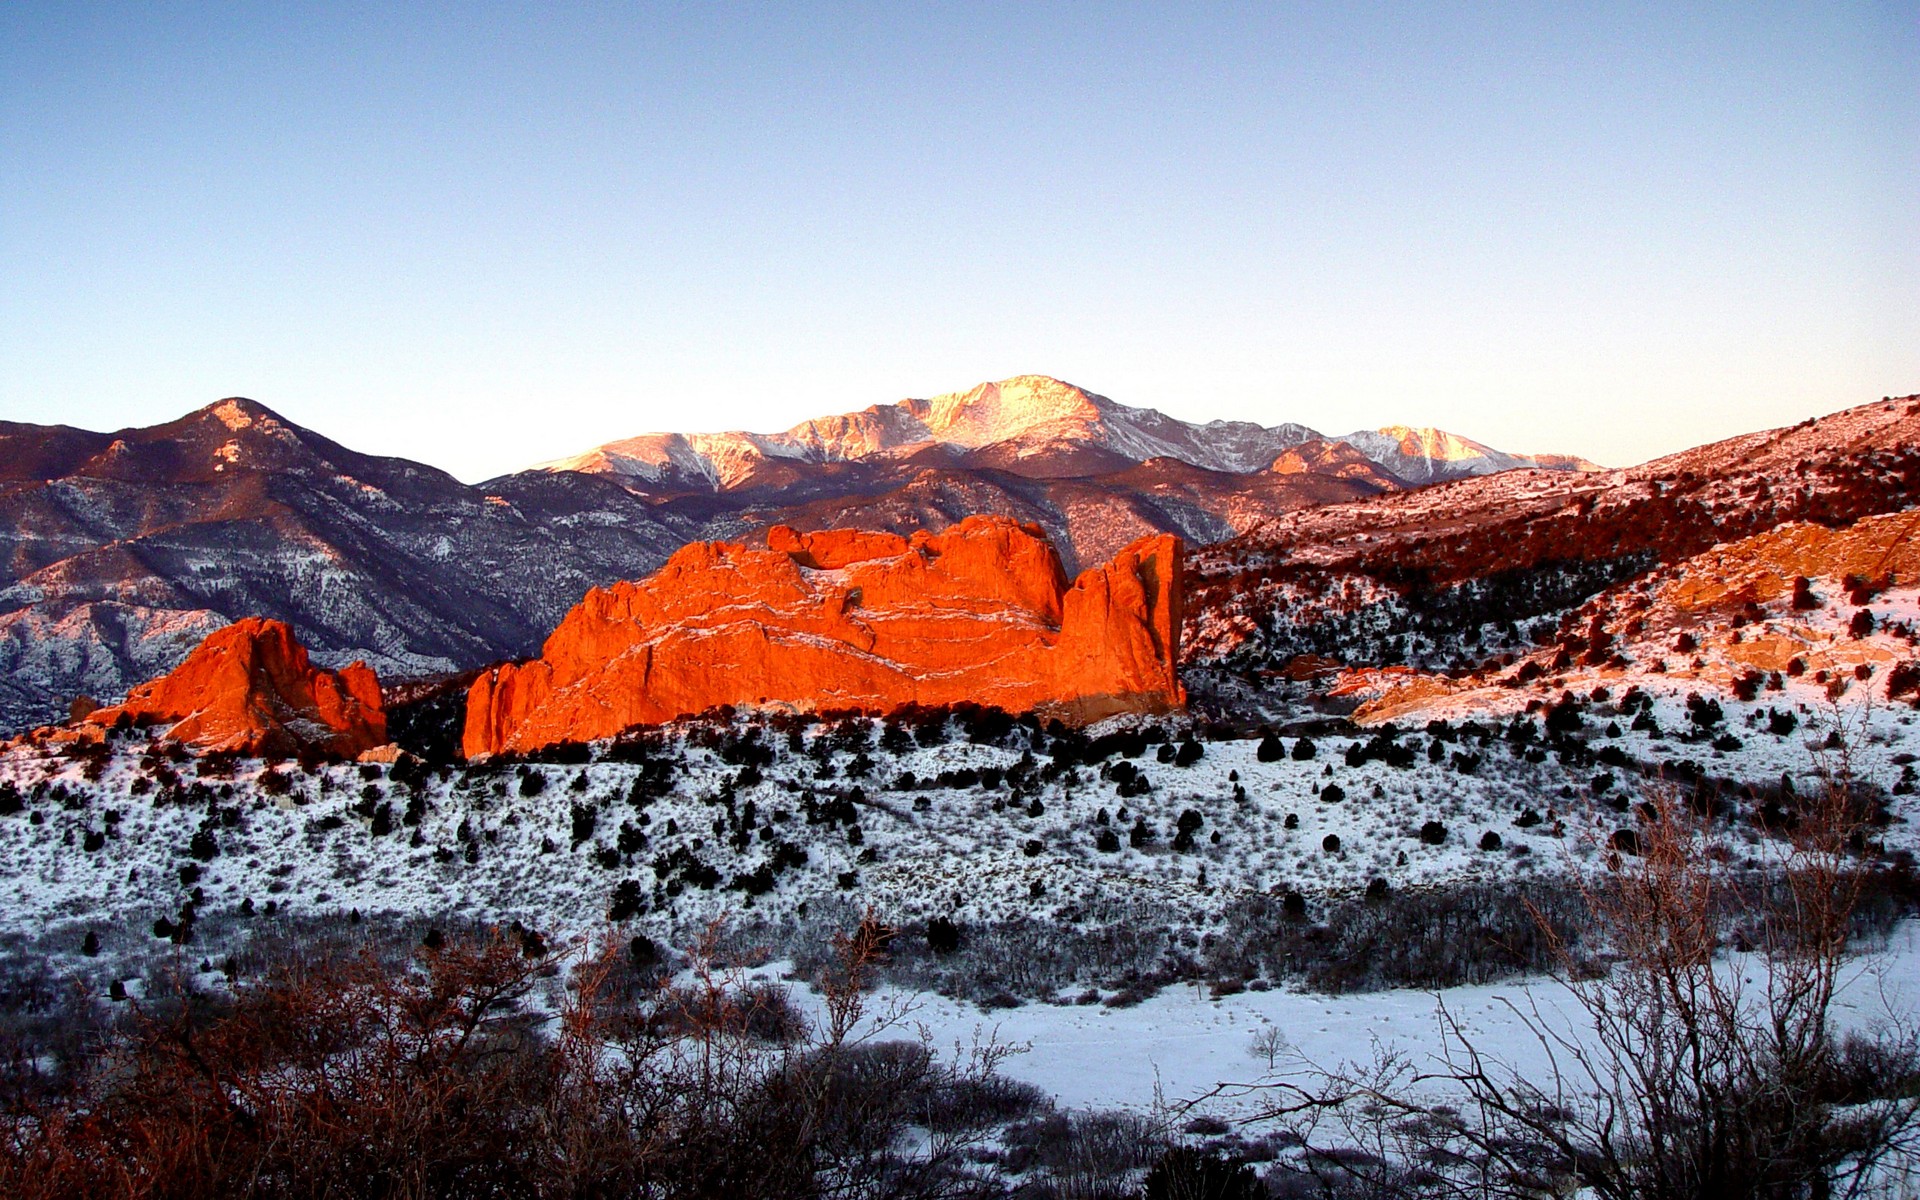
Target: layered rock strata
{"x":850,"y":619}
{"x":250,"y":688}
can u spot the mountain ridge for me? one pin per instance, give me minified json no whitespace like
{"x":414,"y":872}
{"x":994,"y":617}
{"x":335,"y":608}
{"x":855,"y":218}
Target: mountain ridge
{"x":1024,"y":418}
{"x":120,"y":551}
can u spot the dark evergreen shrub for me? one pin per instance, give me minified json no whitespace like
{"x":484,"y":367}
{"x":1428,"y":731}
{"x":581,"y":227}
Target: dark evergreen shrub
{"x":1185,"y":1173}
{"x":584,"y":818}
{"x":943,"y":936}
{"x":627,"y":902}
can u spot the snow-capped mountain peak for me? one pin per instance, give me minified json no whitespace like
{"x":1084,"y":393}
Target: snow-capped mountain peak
{"x":1025,"y":422}
{"x":1429,"y":442}
{"x":1015,"y":408}
{"x":1423,"y":454}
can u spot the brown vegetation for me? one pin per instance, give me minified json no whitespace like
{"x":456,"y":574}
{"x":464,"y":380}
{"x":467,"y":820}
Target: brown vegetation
{"x":1680,"y":1073}
{"x":439,"y":1077}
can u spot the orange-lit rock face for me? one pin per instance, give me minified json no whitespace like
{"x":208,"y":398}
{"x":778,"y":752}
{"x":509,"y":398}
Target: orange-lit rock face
{"x":1762,"y":568}
{"x":250,"y":688}
{"x":847,"y":619}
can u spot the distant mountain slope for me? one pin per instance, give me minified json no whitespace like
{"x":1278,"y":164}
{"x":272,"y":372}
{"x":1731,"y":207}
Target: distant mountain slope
{"x":118,"y":551}
{"x":1028,"y":425}
{"x":1453,"y":575}
{"x":1089,"y":517}
{"x":1431,"y":455}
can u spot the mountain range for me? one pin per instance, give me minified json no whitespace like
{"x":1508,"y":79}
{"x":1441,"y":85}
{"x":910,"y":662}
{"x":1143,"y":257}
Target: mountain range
{"x":1452,"y":577}
{"x":1031,"y":425}
{"x":122,"y":550}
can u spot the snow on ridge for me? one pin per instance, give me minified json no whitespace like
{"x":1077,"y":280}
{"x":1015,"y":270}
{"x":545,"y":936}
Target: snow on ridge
{"x":233,"y":415}
{"x":1030,"y":410}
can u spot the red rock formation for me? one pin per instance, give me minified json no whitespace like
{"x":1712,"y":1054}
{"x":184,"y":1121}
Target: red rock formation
{"x":850,"y":619}
{"x":250,"y":688}
{"x":1338,"y":459}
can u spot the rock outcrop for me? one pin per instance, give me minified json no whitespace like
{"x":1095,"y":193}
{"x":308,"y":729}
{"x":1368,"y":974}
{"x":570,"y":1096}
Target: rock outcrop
{"x":1336,"y":459}
{"x":1705,"y":623}
{"x":1762,"y":568}
{"x":850,"y":619}
{"x":250,"y":688}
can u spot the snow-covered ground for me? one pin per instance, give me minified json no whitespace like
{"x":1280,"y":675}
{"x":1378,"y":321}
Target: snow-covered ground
{"x":981,"y":832}
{"x":1185,"y":1044}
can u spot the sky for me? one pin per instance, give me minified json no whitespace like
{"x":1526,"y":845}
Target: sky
{"x":487,"y":235}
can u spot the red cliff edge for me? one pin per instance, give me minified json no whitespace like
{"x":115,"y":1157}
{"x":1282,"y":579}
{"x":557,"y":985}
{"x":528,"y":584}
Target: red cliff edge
{"x":250,"y":689}
{"x":850,"y":619}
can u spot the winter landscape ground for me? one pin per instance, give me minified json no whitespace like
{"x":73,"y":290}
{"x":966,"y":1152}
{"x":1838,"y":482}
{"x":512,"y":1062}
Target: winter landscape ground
{"x":1427,"y":752}
{"x":849,"y":601}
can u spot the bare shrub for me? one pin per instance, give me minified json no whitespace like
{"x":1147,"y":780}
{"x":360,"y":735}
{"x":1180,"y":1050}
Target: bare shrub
{"x":1268,"y":1045}
{"x":443,"y":1071}
{"x":1681,"y":1074}
{"x":1084,"y":1155}
{"x":1409,"y":937}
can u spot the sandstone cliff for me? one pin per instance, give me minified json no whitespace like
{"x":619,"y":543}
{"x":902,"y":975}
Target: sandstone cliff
{"x":250,"y":688}
{"x":850,"y":619}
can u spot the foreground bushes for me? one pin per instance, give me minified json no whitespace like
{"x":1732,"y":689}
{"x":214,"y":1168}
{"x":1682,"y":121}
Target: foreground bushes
{"x":441,"y":1076}
{"x":1680,"y":1072}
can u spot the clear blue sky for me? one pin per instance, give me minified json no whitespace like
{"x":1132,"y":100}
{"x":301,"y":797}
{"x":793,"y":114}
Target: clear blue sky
{"x":484,"y":235}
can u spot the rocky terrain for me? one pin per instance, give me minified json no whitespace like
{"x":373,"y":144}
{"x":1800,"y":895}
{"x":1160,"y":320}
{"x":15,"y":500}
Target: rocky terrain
{"x":1744,"y":619}
{"x":1481,"y":682}
{"x":122,"y":550}
{"x":1453,"y":575}
{"x":250,"y":689}
{"x":980,"y":613}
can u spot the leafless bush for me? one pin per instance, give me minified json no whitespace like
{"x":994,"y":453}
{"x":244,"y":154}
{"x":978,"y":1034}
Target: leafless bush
{"x":1417,"y":937}
{"x":1032,"y":959}
{"x":1682,"y":1074}
{"x":1268,"y":1045}
{"x":464,"y":1068}
{"x":1084,"y":1155}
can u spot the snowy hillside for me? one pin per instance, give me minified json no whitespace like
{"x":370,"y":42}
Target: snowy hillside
{"x":981,"y":821}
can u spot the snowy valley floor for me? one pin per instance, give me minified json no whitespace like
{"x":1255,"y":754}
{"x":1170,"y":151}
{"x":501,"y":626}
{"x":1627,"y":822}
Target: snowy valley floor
{"x":1184,"y":1051}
